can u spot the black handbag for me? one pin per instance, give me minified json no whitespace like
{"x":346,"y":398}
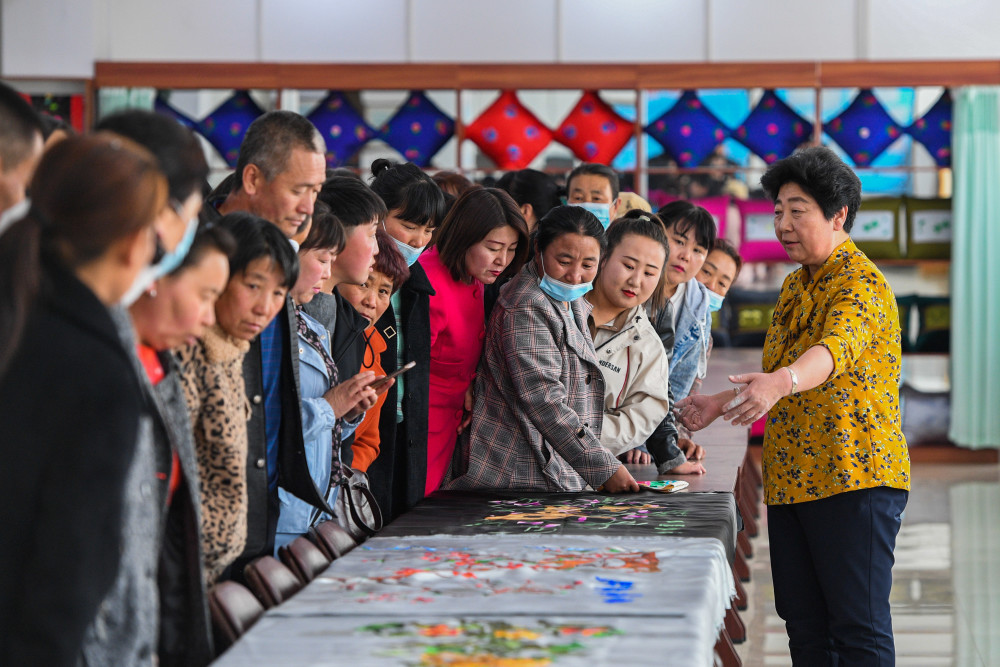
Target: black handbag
{"x":357,"y":510}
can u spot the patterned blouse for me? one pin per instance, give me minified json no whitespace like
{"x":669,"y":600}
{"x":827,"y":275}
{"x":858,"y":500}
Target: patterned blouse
{"x":845,"y":434}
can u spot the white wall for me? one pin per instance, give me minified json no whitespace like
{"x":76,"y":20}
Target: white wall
{"x":62,"y":38}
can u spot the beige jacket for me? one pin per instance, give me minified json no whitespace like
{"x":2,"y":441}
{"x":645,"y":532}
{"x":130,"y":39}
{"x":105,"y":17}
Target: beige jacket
{"x":636,"y":373}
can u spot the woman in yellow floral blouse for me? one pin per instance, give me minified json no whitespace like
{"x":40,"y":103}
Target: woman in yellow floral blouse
{"x":835,"y":463}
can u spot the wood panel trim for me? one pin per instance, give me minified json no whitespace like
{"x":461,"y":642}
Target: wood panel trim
{"x":908,"y":73}
{"x":551,"y":76}
{"x":728,"y":75}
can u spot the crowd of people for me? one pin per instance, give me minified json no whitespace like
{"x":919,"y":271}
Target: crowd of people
{"x":187,"y":375}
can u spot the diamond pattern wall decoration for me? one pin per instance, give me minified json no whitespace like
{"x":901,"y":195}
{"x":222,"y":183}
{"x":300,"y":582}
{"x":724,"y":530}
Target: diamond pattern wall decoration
{"x":594,"y":131}
{"x":509,"y":133}
{"x":688,"y":131}
{"x":773,"y":130}
{"x":934,"y":130}
{"x":344,"y":130}
{"x":224,"y":128}
{"x":160,"y":105}
{"x":418,"y":129}
{"x":864,"y":129}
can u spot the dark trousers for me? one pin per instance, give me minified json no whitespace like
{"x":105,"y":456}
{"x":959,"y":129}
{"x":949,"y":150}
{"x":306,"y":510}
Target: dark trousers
{"x":831,"y":561}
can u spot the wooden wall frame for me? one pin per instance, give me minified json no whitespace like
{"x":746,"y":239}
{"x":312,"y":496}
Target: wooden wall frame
{"x":641,"y":76}
{"x":638,"y":77}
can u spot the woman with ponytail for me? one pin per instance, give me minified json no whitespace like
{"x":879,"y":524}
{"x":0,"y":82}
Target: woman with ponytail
{"x":416,"y":208}
{"x":70,"y":399}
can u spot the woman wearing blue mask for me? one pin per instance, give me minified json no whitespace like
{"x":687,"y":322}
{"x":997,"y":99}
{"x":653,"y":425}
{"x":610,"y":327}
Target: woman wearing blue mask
{"x":416,"y":207}
{"x":536,"y":422}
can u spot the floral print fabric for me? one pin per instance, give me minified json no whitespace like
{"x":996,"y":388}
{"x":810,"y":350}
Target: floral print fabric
{"x":845,"y":434}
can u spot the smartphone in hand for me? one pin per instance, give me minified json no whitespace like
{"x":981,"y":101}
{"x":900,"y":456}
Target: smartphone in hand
{"x":379,"y":383}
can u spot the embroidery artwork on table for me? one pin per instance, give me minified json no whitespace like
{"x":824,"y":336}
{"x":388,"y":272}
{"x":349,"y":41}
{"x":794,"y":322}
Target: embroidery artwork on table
{"x":512,"y":573}
{"x":490,"y":643}
{"x":584,"y":513}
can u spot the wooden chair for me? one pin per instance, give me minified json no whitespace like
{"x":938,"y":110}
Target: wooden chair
{"x":270,"y":581}
{"x":234,"y":610}
{"x":332,"y":539}
{"x":303,"y":558}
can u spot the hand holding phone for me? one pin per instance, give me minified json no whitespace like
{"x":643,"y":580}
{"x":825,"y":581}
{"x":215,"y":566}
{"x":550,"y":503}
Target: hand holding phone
{"x":382,"y":382}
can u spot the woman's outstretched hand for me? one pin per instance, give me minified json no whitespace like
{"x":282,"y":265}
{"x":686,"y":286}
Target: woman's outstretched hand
{"x":699,"y":410}
{"x":760,"y":393}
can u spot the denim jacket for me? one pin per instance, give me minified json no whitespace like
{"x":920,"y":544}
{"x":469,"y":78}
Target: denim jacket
{"x":691,"y":337}
{"x":296,"y":516}
{"x":688,"y":353}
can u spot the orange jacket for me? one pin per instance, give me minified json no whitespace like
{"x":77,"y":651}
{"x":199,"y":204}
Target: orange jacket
{"x":366,"y":438}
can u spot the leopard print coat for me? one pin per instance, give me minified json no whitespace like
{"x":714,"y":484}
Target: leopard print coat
{"x":212,"y":375}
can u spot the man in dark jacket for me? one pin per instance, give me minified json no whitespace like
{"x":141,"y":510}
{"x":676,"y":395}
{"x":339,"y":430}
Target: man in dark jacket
{"x":279,"y":173}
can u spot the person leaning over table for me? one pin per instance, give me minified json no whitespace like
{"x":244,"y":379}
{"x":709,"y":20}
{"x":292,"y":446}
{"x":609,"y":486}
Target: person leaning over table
{"x":835,"y":464}
{"x":539,"y":394}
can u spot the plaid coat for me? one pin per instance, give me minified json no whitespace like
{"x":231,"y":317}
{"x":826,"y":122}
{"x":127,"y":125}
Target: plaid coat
{"x":539,"y":398}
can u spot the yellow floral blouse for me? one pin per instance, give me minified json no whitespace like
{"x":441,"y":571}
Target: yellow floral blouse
{"x":844,"y":434}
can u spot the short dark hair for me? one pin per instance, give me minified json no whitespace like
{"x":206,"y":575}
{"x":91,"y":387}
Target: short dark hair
{"x":452,"y":183}
{"x":389,"y":261}
{"x":823,"y":176}
{"x":562,"y":220}
{"x":596,"y":170}
{"x":342,"y":171}
{"x":476,"y":213}
{"x":175,"y":147}
{"x":270,"y":140}
{"x":683,"y":216}
{"x":639,"y":222}
{"x":255,"y":238}
{"x":326,"y":230}
{"x":19,"y":125}
{"x":353,"y":202}
{"x":725,"y":246}
{"x":530,"y":186}
{"x":208,"y":237}
{"x":52,"y":123}
{"x":408,"y":191}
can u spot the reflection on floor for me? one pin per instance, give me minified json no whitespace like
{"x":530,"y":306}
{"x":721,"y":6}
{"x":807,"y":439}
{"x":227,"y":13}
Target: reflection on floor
{"x":946,"y":582}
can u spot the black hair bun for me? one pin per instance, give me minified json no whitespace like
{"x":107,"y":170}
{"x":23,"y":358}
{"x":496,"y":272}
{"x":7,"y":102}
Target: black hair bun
{"x":380,"y":165}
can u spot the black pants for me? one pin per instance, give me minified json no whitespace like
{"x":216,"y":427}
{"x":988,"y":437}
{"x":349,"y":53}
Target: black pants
{"x":831,"y":561}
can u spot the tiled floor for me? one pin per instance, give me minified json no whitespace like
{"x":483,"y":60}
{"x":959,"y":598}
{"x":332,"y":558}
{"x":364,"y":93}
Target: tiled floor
{"x":946,"y":582}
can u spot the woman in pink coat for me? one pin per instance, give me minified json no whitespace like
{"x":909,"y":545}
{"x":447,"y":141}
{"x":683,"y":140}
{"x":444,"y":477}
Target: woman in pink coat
{"x":483,"y":237}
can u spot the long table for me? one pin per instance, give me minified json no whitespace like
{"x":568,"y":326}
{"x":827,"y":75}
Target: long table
{"x":480,"y":599}
{"x":541,"y":578}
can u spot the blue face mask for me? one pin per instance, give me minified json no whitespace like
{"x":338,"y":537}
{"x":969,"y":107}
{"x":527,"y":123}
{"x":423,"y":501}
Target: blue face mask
{"x":561,"y":291}
{"x":714,"y":301}
{"x":173,"y":259}
{"x":601,"y":211}
{"x":168,"y":262}
{"x":409,"y":253}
